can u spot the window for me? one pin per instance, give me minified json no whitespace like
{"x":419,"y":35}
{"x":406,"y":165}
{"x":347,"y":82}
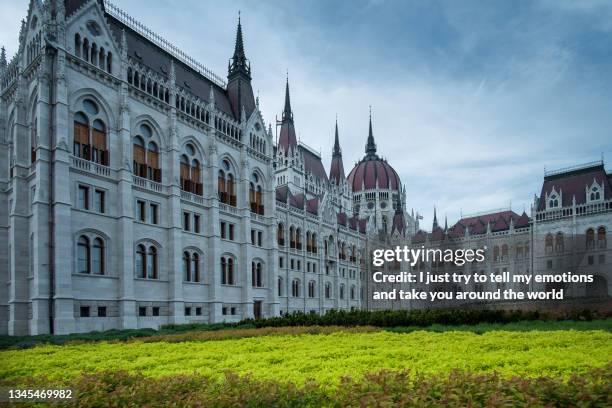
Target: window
{"x":186,"y":218}
{"x":146,"y":262}
{"x":311,"y":289}
{"x":327,"y":290}
{"x":602,"y":258}
{"x":227,"y":271}
{"x":155,"y":311}
{"x":280,"y":235}
{"x":140,"y":211}
{"x":295,"y":288}
{"x":342,"y":291}
{"x":280,"y":261}
{"x":187,"y":311}
{"x":99,"y":201}
{"x":101,"y":311}
{"x":601,"y":237}
{"x":145,"y":155}
{"x":559,"y":247}
{"x":191,"y":266}
{"x":84,"y":311}
{"x":259,"y":238}
{"x":549,"y":264}
{"x":226,"y":186}
{"x":292,"y":262}
{"x":548,"y":242}
{"x":142,"y":311}
{"x":154,"y":213}
{"x":280,"y":286}
{"x":90,"y":135}
{"x":590,"y":260}
{"x":231,"y":232}
{"x":255,"y":195}
{"x":222,"y":227}
{"x":252,"y":237}
{"x":198,"y":311}
{"x":83,"y":255}
{"x":83,"y":198}
{"x":190,"y":170}
{"x":256,"y":275}
{"x":196,"y":223}
{"x":98,"y":257}
{"x":353,"y":289}
{"x":590,"y":238}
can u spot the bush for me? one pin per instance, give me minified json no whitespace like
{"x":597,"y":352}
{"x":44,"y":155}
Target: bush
{"x":379,"y":389}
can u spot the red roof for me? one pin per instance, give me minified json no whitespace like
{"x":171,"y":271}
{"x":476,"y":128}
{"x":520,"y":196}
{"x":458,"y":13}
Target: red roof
{"x":573,"y":183}
{"x":373,"y":172}
{"x":313,"y":164}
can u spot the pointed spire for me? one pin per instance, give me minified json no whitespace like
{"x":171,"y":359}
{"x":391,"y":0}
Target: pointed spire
{"x":435,"y":220}
{"x":371,"y":145}
{"x":287,"y":114}
{"x":239,"y":62}
{"x":337,"y":151}
{"x":445,"y":223}
{"x":3,"y":59}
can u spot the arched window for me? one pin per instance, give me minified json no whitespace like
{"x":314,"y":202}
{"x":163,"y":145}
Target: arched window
{"x":295,"y":288}
{"x":152,"y":263}
{"x":291,"y":237}
{"x":384,"y":223}
{"x":601,"y":237}
{"x":256,"y":275}
{"x":548,"y":243}
{"x":190,"y":171}
{"x":308,"y":242}
{"x":504,"y":252}
{"x":314,"y":243}
{"x":146,"y":160}
{"x":226,"y":185}
{"x":195,"y":267}
{"x":227,"y":271}
{"x":83,"y":255}
{"x":559,"y":246}
{"x":298,"y":238}
{"x":33,"y":136}
{"x":341,"y":291}
{"x":311,"y":289}
{"x":98,"y":137}
{"x":353,"y":289}
{"x":187,"y":266}
{"x":77,"y":44}
{"x":280,"y":286}
{"x":109,"y":63}
{"x":327,"y":290}
{"x":496,"y":253}
{"x":255,"y":195}
{"x":81,"y":136}
{"x":93,"y":56}
{"x":280,"y":235}
{"x":590,"y":238}
{"x":85,"y":53}
{"x":98,"y":263}
{"x":141,"y":261}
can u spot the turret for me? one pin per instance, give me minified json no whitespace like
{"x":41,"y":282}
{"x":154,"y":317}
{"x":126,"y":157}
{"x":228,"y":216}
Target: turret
{"x":336,"y":171}
{"x":239,"y":89}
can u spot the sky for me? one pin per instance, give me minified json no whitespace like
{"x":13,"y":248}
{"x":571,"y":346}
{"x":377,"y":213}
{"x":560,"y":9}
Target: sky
{"x":471,"y":100}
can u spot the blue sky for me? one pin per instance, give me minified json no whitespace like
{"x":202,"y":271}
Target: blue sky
{"x":471,"y":100}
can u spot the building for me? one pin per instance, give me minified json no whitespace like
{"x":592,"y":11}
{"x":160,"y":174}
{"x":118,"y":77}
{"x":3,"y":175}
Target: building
{"x":137,"y":188}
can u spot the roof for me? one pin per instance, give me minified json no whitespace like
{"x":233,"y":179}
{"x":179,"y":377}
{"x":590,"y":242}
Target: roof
{"x":498,"y":221}
{"x":158,"y":60}
{"x":574,"y":182}
{"x":313,"y":163}
{"x":373,"y":172}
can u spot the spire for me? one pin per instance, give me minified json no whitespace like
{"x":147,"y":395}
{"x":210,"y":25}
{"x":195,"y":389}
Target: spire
{"x":3,"y":59}
{"x":337,"y":151}
{"x":336,"y":170}
{"x":239,"y":62}
{"x":287,"y":114}
{"x":435,"y":220}
{"x":445,"y":223}
{"x":370,"y":146}
{"x":287,"y":137}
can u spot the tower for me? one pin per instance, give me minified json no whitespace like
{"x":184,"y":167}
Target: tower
{"x":239,"y":89}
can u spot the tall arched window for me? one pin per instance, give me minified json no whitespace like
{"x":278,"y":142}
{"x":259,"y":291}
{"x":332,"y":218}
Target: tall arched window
{"x":145,"y":155}
{"x":601,"y":237}
{"x":341,"y":291}
{"x":298,"y":238}
{"x":90,"y":141}
{"x":226,"y":184}
{"x":195,"y":267}
{"x":152,"y":263}
{"x":353,"y":289}
{"x":295,"y":288}
{"x":227,"y":271}
{"x":141,"y":261}
{"x":314,"y":243}
{"x":187,"y":266}
{"x":83,"y":255}
{"x":590,"y":238}
{"x":191,"y":267}
{"x":504,"y":252}
{"x":291,"y":237}
{"x":256,"y":275}
{"x":308,"y":242}
{"x":191,"y":180}
{"x":77,"y":45}
{"x":311,"y":289}
{"x":327,"y":290}
{"x":559,"y":246}
{"x":98,"y":263}
{"x":255,"y":194}
{"x":280,"y":286}
{"x":280,"y":235}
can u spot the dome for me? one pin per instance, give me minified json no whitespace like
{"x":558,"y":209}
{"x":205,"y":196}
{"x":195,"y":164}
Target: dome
{"x":373,"y":172}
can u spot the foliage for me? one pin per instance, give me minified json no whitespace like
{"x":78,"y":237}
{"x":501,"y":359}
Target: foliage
{"x":297,"y":357}
{"x":376,"y":389}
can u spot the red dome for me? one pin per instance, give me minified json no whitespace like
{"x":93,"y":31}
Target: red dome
{"x":373,"y":172}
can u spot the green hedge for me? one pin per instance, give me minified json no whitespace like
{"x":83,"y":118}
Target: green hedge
{"x":381,"y":389}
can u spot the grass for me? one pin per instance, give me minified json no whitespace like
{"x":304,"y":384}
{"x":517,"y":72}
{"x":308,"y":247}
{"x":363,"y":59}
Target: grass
{"x":326,"y":358}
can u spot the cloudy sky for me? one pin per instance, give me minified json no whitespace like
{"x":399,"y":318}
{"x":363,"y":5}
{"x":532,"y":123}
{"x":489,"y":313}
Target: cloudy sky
{"x":471,"y":100}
